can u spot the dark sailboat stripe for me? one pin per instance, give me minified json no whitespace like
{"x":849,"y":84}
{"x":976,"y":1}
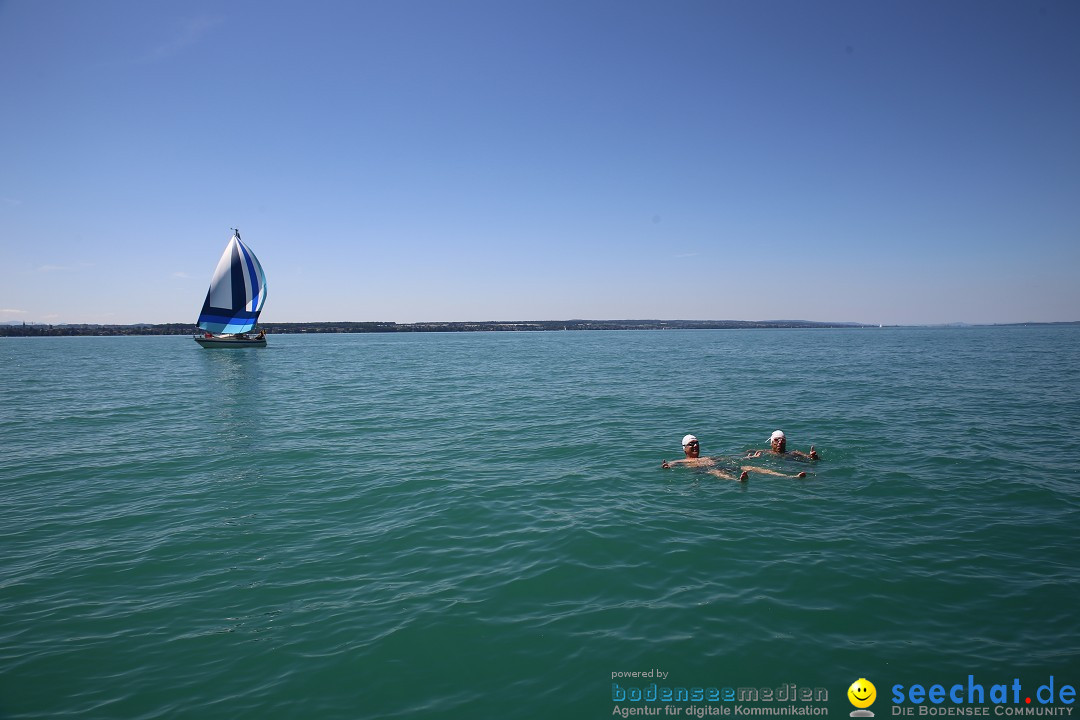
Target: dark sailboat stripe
{"x":253,"y":275}
{"x":239,"y":292}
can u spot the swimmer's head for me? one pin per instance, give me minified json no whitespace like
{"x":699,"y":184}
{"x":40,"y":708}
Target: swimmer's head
{"x":687,"y":439}
{"x":778,"y":442}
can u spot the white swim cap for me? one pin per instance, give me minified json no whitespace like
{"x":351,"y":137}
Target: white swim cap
{"x":687,"y":439}
{"x":777,"y":435}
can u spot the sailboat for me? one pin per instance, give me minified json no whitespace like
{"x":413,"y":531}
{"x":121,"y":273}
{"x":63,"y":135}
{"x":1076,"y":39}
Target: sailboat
{"x":236,"y":297}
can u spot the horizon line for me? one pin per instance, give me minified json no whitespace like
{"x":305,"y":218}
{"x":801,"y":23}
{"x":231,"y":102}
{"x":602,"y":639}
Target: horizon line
{"x":576,"y":321}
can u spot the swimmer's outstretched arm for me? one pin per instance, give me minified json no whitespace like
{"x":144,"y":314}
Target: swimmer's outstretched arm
{"x":767,"y":471}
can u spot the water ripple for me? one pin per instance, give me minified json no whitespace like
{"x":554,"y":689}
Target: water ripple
{"x":477,"y":525}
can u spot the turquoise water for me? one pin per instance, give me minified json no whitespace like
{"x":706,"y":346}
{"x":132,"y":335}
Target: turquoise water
{"x":477,"y":525}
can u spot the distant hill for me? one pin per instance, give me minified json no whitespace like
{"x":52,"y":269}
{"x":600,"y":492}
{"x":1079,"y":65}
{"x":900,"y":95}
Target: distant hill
{"x":20,"y":329}
{"x":32,"y":329}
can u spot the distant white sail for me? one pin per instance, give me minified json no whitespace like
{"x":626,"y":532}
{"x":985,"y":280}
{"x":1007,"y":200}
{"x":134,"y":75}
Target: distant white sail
{"x":237,"y":291}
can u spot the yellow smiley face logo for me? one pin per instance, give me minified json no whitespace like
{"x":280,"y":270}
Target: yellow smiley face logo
{"x":862,"y":693}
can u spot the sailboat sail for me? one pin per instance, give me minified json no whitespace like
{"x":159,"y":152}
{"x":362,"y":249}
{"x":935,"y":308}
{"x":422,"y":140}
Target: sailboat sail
{"x":237,"y":291}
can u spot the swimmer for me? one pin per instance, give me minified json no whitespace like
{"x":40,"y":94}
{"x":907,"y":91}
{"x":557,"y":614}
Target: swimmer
{"x":692,"y":449}
{"x":778,"y":446}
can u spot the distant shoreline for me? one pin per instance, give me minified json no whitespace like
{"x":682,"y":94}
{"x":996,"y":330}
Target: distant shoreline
{"x":41,"y":330}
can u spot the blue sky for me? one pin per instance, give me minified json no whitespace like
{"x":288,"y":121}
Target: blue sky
{"x":423,"y":160}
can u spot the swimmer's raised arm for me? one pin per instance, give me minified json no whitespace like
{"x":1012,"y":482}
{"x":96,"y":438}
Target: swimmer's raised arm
{"x":812,"y":455}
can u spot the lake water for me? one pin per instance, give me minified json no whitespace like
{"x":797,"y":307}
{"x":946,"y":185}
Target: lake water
{"x":477,"y":525}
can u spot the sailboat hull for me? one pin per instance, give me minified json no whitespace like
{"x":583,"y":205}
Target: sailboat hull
{"x":229,"y":342}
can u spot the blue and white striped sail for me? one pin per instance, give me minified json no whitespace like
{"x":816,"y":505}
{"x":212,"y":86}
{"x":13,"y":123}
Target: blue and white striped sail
{"x":237,"y":291}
